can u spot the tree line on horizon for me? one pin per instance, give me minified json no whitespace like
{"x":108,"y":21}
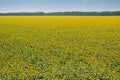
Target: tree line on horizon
{"x":72,"y":13}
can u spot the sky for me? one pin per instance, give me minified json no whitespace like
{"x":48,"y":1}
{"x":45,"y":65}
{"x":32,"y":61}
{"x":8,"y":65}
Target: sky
{"x":58,"y":5}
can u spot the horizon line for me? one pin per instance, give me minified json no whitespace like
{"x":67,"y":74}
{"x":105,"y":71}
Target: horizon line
{"x":59,"y":11}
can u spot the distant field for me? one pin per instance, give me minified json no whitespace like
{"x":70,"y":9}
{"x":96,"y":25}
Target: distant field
{"x":59,"y":48}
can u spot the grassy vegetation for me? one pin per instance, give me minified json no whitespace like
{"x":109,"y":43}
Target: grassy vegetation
{"x":60,"y":48}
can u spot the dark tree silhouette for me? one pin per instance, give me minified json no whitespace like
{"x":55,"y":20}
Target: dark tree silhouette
{"x":73,"y":13}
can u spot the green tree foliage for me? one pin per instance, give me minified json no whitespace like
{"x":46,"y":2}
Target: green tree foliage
{"x":73,"y":13}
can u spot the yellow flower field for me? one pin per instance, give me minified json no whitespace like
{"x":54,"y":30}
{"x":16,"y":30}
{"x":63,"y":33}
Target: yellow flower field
{"x":59,"y":48}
